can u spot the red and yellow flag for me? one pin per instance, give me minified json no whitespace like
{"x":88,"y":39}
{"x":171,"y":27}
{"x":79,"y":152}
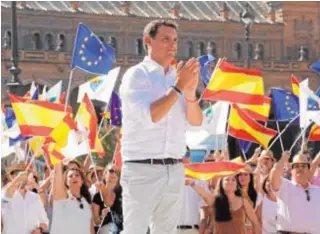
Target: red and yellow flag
{"x":238,"y":160}
{"x":258,"y":112}
{"x":314,"y":134}
{"x":243,"y":127}
{"x":117,"y":159}
{"x":295,"y":85}
{"x":206,"y":171}
{"x":52,"y":153}
{"x":60,"y":134}
{"x":98,"y":148}
{"x":87,"y":116}
{"x":232,"y":84}
{"x":37,"y":118}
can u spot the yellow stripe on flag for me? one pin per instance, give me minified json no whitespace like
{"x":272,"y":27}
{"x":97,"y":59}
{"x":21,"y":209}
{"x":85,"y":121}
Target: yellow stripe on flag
{"x":258,"y":112}
{"x":243,"y":127}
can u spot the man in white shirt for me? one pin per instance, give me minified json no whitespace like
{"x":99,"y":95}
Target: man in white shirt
{"x":298,"y":201}
{"x":23,"y":210}
{"x":157,"y":104}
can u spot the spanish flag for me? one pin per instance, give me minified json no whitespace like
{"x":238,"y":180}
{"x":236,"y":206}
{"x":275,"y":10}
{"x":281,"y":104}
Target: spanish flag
{"x":295,"y":85}
{"x":243,"y":127}
{"x":258,"y":112}
{"x":232,"y":84}
{"x":117,"y":159}
{"x":37,"y":118}
{"x":87,"y":116}
{"x":98,"y":148}
{"x":314,"y":134}
{"x":36,"y":143}
{"x":206,"y":171}
{"x":60,"y":134}
{"x":238,"y":160}
{"x":52,"y":153}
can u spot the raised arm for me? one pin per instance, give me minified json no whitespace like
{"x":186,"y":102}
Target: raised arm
{"x":252,"y":217}
{"x":315,"y":163}
{"x":208,"y":198}
{"x":59,"y":189}
{"x":277,"y":170}
{"x":12,"y":187}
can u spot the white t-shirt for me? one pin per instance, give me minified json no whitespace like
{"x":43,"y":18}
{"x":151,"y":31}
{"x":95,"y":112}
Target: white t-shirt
{"x":21,"y":215}
{"x":269,"y":216}
{"x":69,"y":218}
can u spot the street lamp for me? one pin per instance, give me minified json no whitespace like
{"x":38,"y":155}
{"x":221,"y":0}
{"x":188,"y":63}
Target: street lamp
{"x":247,"y":18}
{"x":15,"y":82}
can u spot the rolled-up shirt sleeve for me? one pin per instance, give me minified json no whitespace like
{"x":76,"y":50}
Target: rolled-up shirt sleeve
{"x":136,"y":95}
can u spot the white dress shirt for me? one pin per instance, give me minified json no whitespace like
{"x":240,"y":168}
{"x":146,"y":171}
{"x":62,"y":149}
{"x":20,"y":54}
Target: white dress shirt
{"x":295,"y":213}
{"x":141,"y":139}
{"x":22,"y":214}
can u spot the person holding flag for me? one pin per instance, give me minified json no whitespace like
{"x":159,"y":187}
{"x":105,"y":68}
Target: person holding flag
{"x":157,"y":103}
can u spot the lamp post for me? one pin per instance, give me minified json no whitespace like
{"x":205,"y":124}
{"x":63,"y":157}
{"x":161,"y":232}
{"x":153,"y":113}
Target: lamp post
{"x":247,"y":18}
{"x":15,"y":82}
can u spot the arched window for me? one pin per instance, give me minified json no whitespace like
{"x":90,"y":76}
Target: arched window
{"x":238,"y":50}
{"x":7,"y":40}
{"x":48,"y":41}
{"x":189,"y":49}
{"x":61,"y":44}
{"x":101,"y":38}
{"x":250,"y":52}
{"x":200,"y":48}
{"x":36,"y":41}
{"x":306,"y":50}
{"x":212,"y":49}
{"x":139,"y":46}
{"x":113,"y":42}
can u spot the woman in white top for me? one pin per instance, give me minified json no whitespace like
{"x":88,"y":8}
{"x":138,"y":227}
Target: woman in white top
{"x":267,"y":211}
{"x":71,"y":203}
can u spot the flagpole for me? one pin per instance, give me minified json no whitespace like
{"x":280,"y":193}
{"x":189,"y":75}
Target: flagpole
{"x":68,"y":90}
{"x":107,"y":133}
{"x":101,"y":123}
{"x":226,"y":140}
{"x":244,"y":154}
{"x":275,"y":139}
{"x":295,"y":142}
{"x":280,"y":136}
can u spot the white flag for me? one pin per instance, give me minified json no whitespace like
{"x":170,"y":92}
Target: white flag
{"x":6,"y":150}
{"x":44,"y":93}
{"x":74,"y":148}
{"x":306,"y":116}
{"x":216,"y":118}
{"x":99,"y":88}
{"x":54,"y":93}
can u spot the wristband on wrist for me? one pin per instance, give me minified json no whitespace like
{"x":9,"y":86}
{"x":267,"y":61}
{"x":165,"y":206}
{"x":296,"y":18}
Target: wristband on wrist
{"x":175,"y":89}
{"x":193,"y":184}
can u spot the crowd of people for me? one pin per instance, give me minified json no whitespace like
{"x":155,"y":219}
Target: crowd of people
{"x":265,"y":197}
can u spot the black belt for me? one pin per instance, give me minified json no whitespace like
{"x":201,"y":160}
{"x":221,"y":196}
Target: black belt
{"x":286,"y":232}
{"x":164,"y":161}
{"x":185,"y":227}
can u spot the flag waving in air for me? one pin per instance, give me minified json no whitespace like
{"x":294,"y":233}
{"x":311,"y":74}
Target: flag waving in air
{"x":232,"y":84}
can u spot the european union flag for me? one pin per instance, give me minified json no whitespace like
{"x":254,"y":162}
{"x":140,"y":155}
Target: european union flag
{"x":115,"y":110}
{"x":285,"y":104}
{"x":312,"y":104}
{"x":90,"y":53}
{"x":316,"y":66}
{"x":205,"y":70}
{"x":12,"y":125}
{"x":35,"y":95}
{"x":245,"y":145}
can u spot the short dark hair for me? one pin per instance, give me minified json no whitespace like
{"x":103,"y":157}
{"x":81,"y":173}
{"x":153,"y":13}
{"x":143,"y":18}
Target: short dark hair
{"x":152,"y":28}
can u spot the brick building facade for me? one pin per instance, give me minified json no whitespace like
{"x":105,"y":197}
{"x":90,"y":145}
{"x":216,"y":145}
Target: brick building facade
{"x":285,"y":37}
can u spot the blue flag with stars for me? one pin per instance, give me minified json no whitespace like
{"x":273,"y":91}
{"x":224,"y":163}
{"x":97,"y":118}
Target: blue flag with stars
{"x":115,"y":110}
{"x":285,"y":104}
{"x":245,"y":145}
{"x":316,"y":66}
{"x":205,"y":71}
{"x":90,"y":53}
{"x":312,"y":104}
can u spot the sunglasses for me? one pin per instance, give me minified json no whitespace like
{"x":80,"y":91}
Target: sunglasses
{"x":112,"y":171}
{"x":308,"y":195}
{"x":14,"y":172}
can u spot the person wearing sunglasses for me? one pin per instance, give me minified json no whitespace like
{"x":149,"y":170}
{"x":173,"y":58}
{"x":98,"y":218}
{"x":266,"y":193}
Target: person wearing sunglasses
{"x":107,"y":213}
{"x":298,"y":200}
{"x":23,"y":210}
{"x":71,"y":203}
